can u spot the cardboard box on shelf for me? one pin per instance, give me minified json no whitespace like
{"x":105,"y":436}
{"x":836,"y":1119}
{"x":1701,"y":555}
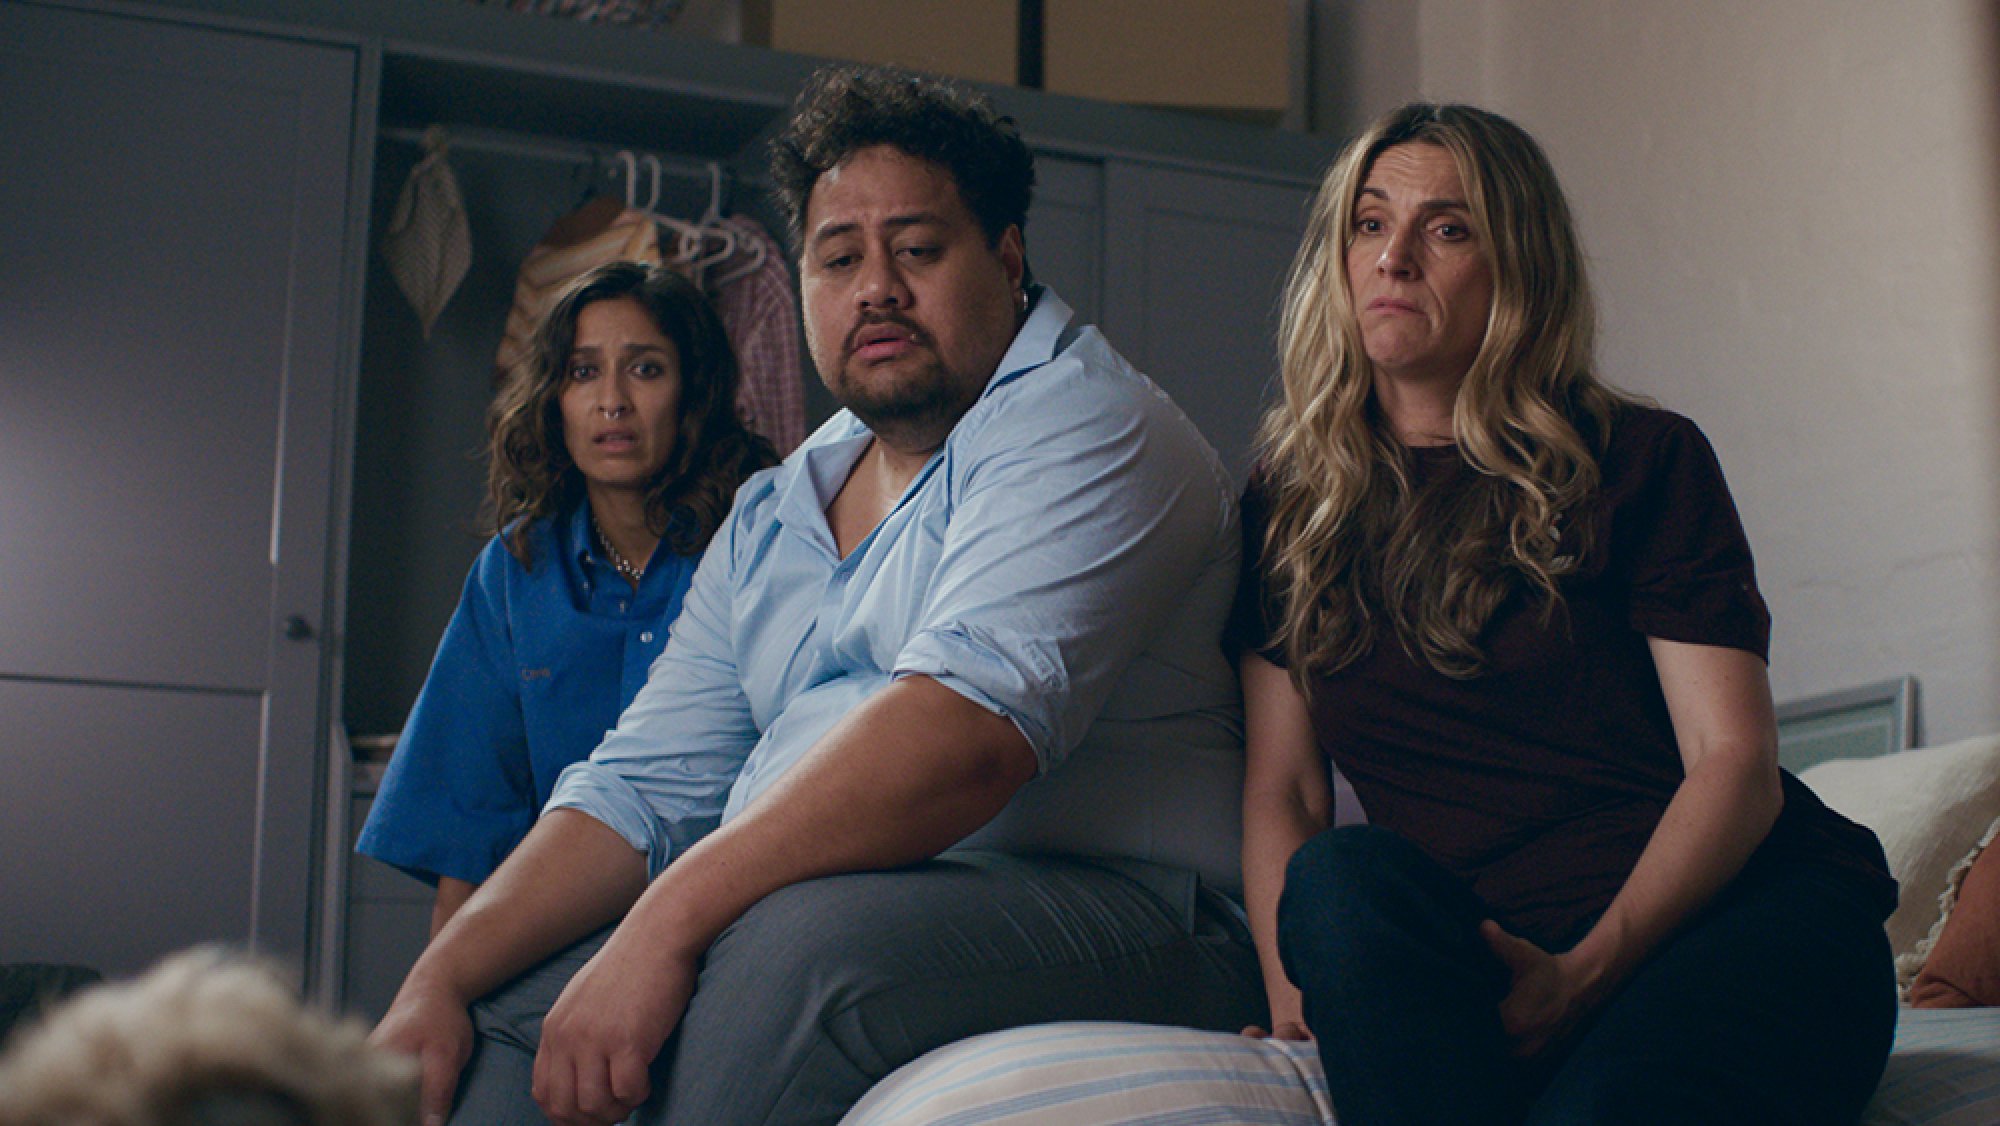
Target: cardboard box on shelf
{"x":973,"y":39}
{"x":1230,"y":55}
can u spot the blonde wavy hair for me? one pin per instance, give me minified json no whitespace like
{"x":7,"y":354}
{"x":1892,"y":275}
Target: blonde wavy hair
{"x":206,"y":1038}
{"x":1352,"y":549}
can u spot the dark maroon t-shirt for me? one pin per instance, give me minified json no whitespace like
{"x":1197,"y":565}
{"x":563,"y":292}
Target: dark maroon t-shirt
{"x":1540,"y":780}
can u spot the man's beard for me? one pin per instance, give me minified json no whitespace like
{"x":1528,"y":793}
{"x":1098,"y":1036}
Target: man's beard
{"x":924,"y":396}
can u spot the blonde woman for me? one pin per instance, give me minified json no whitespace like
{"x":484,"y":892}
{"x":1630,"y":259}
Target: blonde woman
{"x":1517,"y":610}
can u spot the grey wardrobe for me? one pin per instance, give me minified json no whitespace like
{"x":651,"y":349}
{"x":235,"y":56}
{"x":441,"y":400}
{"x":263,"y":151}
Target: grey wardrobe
{"x":172,"y":221}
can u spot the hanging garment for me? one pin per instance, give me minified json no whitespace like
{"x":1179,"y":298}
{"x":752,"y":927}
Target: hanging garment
{"x":428,"y":245}
{"x":603,"y":230}
{"x":760,"y":314}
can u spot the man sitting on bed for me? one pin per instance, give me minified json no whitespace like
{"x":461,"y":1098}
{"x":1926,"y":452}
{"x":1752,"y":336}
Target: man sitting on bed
{"x":983,"y":600}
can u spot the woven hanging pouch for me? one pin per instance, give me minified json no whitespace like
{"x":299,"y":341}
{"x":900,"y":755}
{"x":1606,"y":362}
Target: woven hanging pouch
{"x":428,"y":245}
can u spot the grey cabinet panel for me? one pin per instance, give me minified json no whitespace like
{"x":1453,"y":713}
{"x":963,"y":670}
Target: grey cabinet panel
{"x":172,"y":293}
{"x":1065,"y":232}
{"x":384,"y":938}
{"x":1195,"y":267}
{"x":126,"y":834}
{"x":388,"y":924}
{"x":170,"y":353}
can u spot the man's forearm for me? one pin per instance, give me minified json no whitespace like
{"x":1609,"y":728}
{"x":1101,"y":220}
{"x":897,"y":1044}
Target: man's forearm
{"x":900,"y":779}
{"x":569,"y":877}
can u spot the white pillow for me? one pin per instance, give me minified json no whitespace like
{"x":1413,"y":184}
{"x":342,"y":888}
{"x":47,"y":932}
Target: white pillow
{"x":1929,"y":806}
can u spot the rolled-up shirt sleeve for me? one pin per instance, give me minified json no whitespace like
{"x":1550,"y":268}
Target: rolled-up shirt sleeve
{"x":1682,"y":551}
{"x":1077,"y":522}
{"x":661,"y":777}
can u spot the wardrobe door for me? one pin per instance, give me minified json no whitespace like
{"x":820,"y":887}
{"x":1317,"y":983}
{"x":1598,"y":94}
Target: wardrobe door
{"x":1194,"y":267}
{"x":1065,"y":232}
{"x":170,"y":306}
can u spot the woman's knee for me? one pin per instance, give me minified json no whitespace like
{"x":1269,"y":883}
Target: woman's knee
{"x":1355,"y":867}
{"x":1351,"y":852}
{"x":1365,"y":901}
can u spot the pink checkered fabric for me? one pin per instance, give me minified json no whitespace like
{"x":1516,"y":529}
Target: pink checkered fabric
{"x":760,"y":313}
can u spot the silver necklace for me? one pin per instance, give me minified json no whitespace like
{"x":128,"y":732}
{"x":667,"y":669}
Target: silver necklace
{"x":619,"y":563}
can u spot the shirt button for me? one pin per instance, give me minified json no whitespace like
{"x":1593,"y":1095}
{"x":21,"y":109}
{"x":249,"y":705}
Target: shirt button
{"x":622,"y":604}
{"x":647,"y":637}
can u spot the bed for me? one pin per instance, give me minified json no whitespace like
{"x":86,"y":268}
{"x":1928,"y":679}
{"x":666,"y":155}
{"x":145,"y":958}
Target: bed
{"x":1934,"y":809}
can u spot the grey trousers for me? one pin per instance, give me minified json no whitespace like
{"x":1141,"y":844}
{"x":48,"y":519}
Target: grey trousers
{"x":827,"y":986}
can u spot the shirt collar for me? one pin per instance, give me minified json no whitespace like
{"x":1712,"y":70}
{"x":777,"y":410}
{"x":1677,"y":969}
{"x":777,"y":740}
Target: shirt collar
{"x":1041,"y":336}
{"x":820,"y":468}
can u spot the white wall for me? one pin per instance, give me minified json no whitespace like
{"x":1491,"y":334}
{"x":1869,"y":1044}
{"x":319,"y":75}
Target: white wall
{"x":1791,"y":211}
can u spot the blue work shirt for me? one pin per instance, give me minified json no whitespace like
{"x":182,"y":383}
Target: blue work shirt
{"x":532,"y":671}
{"x":1065,"y":560}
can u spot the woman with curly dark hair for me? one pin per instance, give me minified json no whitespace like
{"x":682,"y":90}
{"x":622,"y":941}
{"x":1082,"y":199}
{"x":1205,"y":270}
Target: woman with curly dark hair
{"x":614,"y":453}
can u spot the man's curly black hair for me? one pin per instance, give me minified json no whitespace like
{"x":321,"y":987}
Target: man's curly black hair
{"x":844,"y":109}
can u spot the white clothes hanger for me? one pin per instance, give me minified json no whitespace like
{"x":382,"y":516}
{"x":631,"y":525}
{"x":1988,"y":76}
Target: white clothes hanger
{"x":753,"y":260}
{"x":687,"y":238}
{"x":695,"y":246}
{"x":700,"y":244}
{"x":631,"y":163}
{"x":654,"y":167}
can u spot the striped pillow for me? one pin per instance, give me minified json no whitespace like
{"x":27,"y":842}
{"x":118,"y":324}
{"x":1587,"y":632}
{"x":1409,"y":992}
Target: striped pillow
{"x":1101,"y":1074}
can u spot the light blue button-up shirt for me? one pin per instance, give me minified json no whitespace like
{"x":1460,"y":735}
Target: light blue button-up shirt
{"x":1065,"y":560}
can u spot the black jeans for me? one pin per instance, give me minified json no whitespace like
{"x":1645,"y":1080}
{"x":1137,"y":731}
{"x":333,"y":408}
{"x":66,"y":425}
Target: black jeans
{"x":1775,"y":1005}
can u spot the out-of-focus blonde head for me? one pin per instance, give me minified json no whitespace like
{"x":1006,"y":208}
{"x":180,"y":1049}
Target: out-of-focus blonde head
{"x":203,"y":1039}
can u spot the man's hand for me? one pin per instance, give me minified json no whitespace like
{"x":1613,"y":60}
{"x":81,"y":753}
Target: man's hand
{"x":1550,"y":996}
{"x":600,"y":1037}
{"x":428,"y":1022}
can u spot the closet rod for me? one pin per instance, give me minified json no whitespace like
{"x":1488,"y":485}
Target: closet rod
{"x":563,"y":152}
